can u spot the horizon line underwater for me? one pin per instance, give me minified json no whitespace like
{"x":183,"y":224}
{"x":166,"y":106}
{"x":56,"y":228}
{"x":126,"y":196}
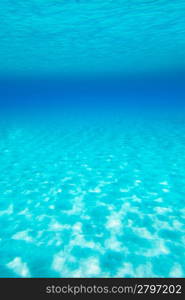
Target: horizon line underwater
{"x":92,"y":139}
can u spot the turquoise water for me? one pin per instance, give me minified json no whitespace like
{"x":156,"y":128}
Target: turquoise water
{"x":93,"y":194}
{"x":92,"y":138}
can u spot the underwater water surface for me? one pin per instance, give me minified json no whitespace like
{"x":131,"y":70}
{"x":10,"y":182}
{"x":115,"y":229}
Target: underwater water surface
{"x":92,"y":169}
{"x":39,"y":36}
